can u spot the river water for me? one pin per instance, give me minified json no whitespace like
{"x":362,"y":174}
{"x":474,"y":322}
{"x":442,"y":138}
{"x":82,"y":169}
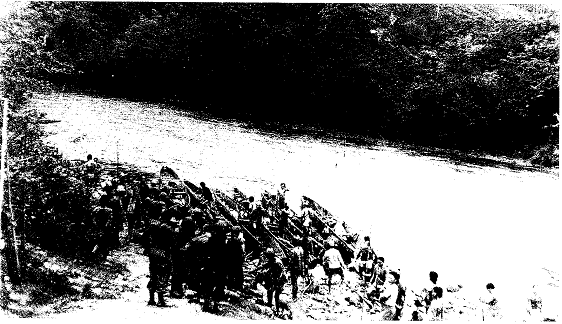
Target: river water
{"x":471,"y":224}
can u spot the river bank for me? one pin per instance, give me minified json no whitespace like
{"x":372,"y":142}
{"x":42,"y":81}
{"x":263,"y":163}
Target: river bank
{"x":471,"y":223}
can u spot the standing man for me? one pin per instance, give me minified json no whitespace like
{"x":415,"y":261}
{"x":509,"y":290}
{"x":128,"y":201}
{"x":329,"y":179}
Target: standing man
{"x":284,"y":221}
{"x":248,"y":207}
{"x":179,"y":240}
{"x":333,"y":264}
{"x":215,"y":267}
{"x":296,"y":266}
{"x":100,"y":232}
{"x":306,"y":214}
{"x":90,"y":171}
{"x":237,"y":254}
{"x":158,"y":245}
{"x":379,"y":277}
{"x":257,"y":218}
{"x":281,"y":196}
{"x":365,"y":259}
{"x":490,"y":309}
{"x":274,"y":278}
{"x":306,"y":217}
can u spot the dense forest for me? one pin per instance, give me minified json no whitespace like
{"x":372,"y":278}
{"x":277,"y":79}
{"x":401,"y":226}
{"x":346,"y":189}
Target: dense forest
{"x":469,"y":77}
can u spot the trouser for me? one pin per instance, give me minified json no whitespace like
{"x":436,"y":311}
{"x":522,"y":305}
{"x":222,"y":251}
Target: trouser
{"x":271,"y":292}
{"x":114,"y":237}
{"x":236,"y":276}
{"x":330,"y":272}
{"x":102,"y":244}
{"x":366,"y":270}
{"x":213,"y":291}
{"x":159,"y":272}
{"x":294,"y":283}
{"x":131,"y":225}
{"x":397,"y":313}
{"x":178,"y":273}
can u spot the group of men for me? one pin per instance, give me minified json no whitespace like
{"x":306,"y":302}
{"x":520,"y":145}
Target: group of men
{"x":111,"y":211}
{"x":386,"y":291}
{"x":188,"y":248}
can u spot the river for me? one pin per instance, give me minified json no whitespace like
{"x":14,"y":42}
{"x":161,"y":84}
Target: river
{"x":472,"y":224}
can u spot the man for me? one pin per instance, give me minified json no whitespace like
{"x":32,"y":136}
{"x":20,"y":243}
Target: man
{"x":115,"y":221}
{"x":117,"y":218}
{"x":284,"y":221}
{"x":179,"y":238}
{"x":99,"y":232}
{"x":237,"y":253}
{"x":296,"y":266}
{"x":215,"y":267}
{"x":257,"y":217}
{"x":158,"y":245}
{"x":379,"y":277}
{"x":281,"y":196}
{"x":273,"y":278}
{"x":389,"y":297}
{"x":306,"y":216}
{"x":333,"y":264}
{"x":365,"y":260}
{"x":490,"y":309}
{"x":207,"y":194}
{"x":424,"y":300}
{"x":248,"y":207}
{"x":90,"y":168}
{"x":307,"y":252}
{"x":435,"y":310}
{"x":427,"y":293}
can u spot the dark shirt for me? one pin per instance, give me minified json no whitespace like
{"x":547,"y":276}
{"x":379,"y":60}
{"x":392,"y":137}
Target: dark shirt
{"x":216,"y":256}
{"x":257,"y":215}
{"x":160,"y":236}
{"x":187,"y":231}
{"x":284,"y":218}
{"x":207,"y":194}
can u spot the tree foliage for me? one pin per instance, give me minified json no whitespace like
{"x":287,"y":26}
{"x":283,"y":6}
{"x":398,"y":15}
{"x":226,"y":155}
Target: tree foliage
{"x":470,"y":77}
{"x":43,"y":197}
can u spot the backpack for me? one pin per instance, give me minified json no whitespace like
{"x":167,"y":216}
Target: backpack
{"x":366,"y":254}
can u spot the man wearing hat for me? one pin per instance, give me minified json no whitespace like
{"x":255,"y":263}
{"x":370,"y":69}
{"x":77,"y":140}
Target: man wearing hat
{"x":158,"y":243}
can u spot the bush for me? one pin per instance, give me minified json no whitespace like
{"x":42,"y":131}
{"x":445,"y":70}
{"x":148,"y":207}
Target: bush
{"x":546,"y":156}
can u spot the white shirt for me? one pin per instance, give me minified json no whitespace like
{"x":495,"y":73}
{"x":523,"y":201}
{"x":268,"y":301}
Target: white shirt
{"x":333,"y":259}
{"x":390,"y":291}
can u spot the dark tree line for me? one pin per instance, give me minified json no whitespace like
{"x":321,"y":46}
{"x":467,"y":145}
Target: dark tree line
{"x":455,"y":76}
